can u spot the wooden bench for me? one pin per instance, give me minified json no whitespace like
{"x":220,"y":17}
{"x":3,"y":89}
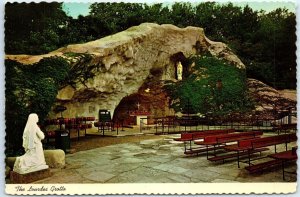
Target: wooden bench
{"x":250,"y":145}
{"x":189,"y":137}
{"x":211,"y":142}
{"x":269,"y":141}
{"x":262,"y":166}
{"x":277,"y":159}
{"x":285,"y":128}
{"x":197,"y":151}
{"x":233,"y":155}
{"x":231,"y":137}
{"x":284,"y":157}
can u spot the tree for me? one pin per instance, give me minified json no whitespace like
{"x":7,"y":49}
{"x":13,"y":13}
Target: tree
{"x":117,"y":16}
{"x":33,"y":27}
{"x":156,"y":13}
{"x":183,"y":14}
{"x":274,"y":47}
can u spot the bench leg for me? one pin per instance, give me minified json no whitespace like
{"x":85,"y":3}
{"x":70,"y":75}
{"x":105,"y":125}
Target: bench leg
{"x":78,"y":132}
{"x":214,"y":150}
{"x":238,"y":158}
{"x":190,"y":145}
{"x":249,"y":157}
{"x":206,"y":152}
{"x":283,"y":177}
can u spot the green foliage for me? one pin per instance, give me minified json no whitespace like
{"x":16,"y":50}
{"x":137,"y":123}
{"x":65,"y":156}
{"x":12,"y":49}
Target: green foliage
{"x":30,"y":89}
{"x":33,"y":28}
{"x":117,"y":16}
{"x":180,"y":11}
{"x":214,"y":88}
{"x":33,"y":89}
{"x":277,"y":37}
{"x":82,"y":69}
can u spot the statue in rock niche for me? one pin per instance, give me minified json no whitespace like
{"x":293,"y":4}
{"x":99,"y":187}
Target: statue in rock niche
{"x":33,"y":159}
{"x":179,"y":71}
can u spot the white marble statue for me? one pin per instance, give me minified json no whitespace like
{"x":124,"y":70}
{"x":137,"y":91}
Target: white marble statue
{"x":33,"y":159}
{"x":179,"y":71}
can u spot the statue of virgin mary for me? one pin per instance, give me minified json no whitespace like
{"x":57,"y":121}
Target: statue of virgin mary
{"x":179,"y":71}
{"x":33,"y":159}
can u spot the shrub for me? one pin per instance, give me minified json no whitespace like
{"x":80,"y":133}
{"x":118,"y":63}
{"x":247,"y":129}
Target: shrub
{"x":30,"y":89}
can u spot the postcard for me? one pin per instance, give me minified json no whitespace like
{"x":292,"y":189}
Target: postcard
{"x":142,"y":97}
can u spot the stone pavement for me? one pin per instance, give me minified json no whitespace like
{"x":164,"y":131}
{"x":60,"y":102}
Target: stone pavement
{"x":152,"y":161}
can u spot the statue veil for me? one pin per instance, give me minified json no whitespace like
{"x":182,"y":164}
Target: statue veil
{"x":30,"y":130}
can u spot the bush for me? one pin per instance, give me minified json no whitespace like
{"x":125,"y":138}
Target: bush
{"x":30,"y":89}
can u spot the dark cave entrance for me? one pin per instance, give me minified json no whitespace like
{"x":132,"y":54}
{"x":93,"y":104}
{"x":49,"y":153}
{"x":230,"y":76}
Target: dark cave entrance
{"x":131,"y":106}
{"x":122,"y":111}
{"x":151,"y":101}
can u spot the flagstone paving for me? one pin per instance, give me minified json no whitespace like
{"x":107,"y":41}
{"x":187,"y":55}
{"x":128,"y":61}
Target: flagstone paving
{"x":152,"y":161}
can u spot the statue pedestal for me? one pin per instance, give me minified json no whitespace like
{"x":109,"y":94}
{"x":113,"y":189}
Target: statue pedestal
{"x":29,"y":177}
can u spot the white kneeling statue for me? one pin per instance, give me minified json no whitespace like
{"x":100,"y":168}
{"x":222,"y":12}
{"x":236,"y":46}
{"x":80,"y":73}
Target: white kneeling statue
{"x":33,"y":159}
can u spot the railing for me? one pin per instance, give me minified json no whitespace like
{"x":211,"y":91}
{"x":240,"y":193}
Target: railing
{"x":168,"y":125}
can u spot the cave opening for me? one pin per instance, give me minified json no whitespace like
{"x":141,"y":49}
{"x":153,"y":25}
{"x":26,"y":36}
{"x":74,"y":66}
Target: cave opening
{"x":122,"y":111}
{"x":131,"y":108}
{"x":150,"y":101}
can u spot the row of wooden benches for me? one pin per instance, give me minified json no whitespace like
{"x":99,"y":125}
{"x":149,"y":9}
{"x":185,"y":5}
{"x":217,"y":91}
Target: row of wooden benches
{"x":245,"y":144}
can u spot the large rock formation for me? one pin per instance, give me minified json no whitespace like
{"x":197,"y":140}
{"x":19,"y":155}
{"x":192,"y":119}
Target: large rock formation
{"x":269,"y":98}
{"x":128,"y":61}
{"x":272,"y":103}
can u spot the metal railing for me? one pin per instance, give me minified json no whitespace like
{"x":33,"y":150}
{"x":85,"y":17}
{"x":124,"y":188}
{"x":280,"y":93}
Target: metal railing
{"x":169,"y":125}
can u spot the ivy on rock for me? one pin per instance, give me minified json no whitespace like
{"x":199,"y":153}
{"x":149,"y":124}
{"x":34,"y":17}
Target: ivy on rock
{"x":213,"y":88}
{"x":30,"y":89}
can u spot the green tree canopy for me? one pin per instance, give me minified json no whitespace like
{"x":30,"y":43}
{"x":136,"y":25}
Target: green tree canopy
{"x":33,"y":28}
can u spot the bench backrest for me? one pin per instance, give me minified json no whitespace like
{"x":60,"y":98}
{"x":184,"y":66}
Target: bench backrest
{"x":211,"y":133}
{"x":273,"y":140}
{"x":268,"y":141}
{"x":238,"y":137}
{"x":187,"y":136}
{"x":232,"y":136}
{"x":201,"y":134}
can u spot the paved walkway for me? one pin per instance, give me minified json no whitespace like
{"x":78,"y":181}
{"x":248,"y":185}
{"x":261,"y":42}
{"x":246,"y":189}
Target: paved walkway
{"x":151,"y":161}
